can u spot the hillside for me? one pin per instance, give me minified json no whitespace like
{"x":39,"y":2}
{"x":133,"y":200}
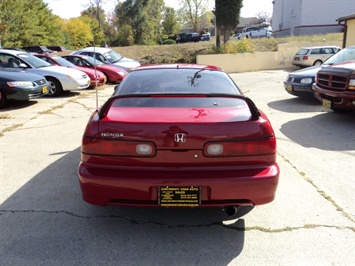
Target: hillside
{"x":186,"y":53}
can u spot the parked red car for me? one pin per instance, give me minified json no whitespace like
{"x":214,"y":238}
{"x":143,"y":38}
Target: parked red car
{"x":96,"y":77}
{"x":178,"y":136}
{"x":114,"y":74}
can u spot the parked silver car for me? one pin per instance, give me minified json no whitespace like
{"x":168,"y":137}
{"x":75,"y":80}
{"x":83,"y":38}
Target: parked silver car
{"x":313,"y":56}
{"x":109,"y":56}
{"x":60,"y":78}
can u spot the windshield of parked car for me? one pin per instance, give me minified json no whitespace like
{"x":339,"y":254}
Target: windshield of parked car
{"x":113,"y":56}
{"x":177,"y":80}
{"x":93,"y":61}
{"x":63,"y":62}
{"x":33,"y":60}
{"x":343,"y":55}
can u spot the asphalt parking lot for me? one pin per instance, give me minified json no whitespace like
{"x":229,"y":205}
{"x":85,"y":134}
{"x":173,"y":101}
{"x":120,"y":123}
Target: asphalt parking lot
{"x":44,"y":221}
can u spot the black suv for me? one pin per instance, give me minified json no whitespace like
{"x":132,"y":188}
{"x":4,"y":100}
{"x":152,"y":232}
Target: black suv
{"x":188,"y":37}
{"x":37,"y":49}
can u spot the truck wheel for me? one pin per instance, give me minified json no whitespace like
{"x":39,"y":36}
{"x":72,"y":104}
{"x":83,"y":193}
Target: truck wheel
{"x":55,"y":88}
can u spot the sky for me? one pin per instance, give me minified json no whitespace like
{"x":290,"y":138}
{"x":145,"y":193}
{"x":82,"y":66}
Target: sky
{"x":71,"y":8}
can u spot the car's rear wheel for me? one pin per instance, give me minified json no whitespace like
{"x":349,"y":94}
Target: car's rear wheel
{"x":317,"y":63}
{"x":3,"y":100}
{"x":55,"y":88}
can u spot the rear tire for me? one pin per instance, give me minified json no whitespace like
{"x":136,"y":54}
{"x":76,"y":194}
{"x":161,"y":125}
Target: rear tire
{"x":3,"y":100}
{"x":317,"y":63}
{"x":55,"y":88}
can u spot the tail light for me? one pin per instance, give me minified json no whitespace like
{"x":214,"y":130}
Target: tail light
{"x":305,"y":57}
{"x":263,"y":146}
{"x":241,"y":148}
{"x":117,"y":148}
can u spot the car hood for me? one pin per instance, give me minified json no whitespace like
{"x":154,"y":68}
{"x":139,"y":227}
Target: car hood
{"x":309,"y":71}
{"x":127,"y":63}
{"x":347,"y":64}
{"x":19,"y":76}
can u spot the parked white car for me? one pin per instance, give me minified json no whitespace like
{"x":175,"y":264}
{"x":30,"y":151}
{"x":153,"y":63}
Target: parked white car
{"x":109,"y":56}
{"x":59,"y":78}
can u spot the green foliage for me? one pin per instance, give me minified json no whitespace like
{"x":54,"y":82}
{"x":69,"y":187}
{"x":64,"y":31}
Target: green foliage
{"x":142,"y":15}
{"x":243,"y":46}
{"x":98,"y":35}
{"x":27,"y":23}
{"x":227,"y":13}
{"x":169,"y":41}
{"x":170,"y":24}
{"x":79,"y":31}
{"x":125,"y":36}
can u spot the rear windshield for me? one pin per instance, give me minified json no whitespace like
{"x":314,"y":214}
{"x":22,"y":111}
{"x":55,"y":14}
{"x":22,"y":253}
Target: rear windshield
{"x":174,"y":81}
{"x":303,"y":52}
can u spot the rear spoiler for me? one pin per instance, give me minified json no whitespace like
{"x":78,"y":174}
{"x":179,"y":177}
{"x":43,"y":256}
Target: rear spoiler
{"x":252,"y":107}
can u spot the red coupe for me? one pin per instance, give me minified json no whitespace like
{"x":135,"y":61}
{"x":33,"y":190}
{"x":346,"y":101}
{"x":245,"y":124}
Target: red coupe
{"x":96,"y":77}
{"x":114,"y":74}
{"x":178,"y":136}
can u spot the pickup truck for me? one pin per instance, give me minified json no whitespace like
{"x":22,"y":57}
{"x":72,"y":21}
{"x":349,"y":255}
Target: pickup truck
{"x":335,"y":86}
{"x":252,"y":32}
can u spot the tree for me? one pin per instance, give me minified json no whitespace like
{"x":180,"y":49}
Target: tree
{"x":170,"y":25}
{"x":192,"y":11}
{"x":28,"y":23}
{"x":79,"y":31}
{"x":143,"y":16}
{"x":96,"y":11}
{"x":227,"y":13}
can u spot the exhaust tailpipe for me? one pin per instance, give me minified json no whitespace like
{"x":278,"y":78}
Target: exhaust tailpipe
{"x":231,"y":210}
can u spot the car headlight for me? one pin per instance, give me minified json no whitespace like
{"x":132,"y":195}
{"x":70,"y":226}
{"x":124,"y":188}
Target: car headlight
{"x":21,"y":84}
{"x":121,"y":73}
{"x":352,"y":84}
{"x":306,"y":81}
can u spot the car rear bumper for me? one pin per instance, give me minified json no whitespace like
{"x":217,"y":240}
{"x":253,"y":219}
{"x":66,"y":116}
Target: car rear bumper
{"x":220,"y":187}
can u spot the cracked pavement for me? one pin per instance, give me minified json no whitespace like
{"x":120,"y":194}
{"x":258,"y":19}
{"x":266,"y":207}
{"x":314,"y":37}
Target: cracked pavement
{"x":43,"y":220}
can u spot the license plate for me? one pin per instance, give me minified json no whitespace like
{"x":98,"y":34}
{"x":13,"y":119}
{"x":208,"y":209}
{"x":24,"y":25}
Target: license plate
{"x":327,"y":103}
{"x":289,"y":87}
{"x":179,"y":196}
{"x":45,"y":89}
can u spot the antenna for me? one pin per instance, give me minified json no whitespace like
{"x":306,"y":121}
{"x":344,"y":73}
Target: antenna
{"x":96,"y":91}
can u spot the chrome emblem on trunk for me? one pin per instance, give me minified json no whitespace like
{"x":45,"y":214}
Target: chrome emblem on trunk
{"x":180,"y":137}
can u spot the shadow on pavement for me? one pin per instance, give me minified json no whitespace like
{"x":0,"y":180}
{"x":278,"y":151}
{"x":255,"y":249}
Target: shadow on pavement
{"x":328,"y":131}
{"x":45,"y":222}
{"x":297,"y":105}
